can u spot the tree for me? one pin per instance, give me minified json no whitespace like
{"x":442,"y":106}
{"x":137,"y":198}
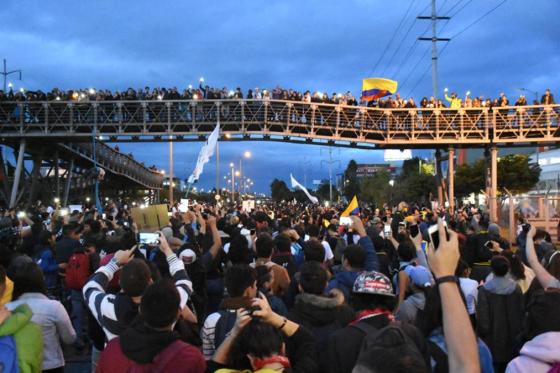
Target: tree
{"x":323,"y":192}
{"x":516,"y":173}
{"x":279,"y":191}
{"x":351,"y":185}
{"x":376,"y":189}
{"x":470,"y":178}
{"x":414,"y":187}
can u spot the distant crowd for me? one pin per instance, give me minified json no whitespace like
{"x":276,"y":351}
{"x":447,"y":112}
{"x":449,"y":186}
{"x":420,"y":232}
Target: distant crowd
{"x":205,"y":92}
{"x":282,"y":288}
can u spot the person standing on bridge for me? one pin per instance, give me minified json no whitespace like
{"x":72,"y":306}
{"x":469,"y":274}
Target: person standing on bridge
{"x":455,"y":102}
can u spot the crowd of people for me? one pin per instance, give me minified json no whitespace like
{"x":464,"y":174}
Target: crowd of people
{"x":205,"y":92}
{"x":284,"y":287}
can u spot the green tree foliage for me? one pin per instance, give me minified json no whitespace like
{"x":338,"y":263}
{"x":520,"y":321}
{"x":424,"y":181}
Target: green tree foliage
{"x":415,"y":182}
{"x":470,"y":178}
{"x":323,"y":192}
{"x":375,"y":189}
{"x":414,"y":187}
{"x":517,"y":174}
{"x":351,"y":185}
{"x":279,"y":191}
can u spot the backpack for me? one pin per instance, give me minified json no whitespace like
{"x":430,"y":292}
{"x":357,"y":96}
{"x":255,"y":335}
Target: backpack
{"x":77,"y":271}
{"x":378,"y":342}
{"x":8,"y":355}
{"x":223,"y":326}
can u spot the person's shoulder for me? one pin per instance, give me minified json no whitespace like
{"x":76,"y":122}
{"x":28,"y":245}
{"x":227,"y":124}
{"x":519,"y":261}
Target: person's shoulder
{"x":212,"y":320}
{"x":190,"y":355}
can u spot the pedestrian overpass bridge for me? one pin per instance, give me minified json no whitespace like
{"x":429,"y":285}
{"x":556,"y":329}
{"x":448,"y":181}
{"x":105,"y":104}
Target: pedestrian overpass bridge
{"x":287,"y":121}
{"x":276,"y":120}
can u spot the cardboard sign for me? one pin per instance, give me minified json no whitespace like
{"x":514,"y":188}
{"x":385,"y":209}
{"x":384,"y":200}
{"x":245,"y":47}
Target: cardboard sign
{"x":150,"y":218}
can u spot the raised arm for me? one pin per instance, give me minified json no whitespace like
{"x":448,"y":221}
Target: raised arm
{"x":545,"y":278}
{"x":372,"y":262}
{"x":459,"y":334}
{"x":94,"y":289}
{"x":177,"y":270}
{"x":216,"y":239}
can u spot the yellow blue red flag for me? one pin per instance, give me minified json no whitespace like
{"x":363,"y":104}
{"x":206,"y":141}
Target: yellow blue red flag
{"x":352,"y":209}
{"x":375,"y":88}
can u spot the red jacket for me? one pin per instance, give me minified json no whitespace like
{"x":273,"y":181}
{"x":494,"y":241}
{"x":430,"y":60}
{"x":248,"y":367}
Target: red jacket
{"x":177,"y":357}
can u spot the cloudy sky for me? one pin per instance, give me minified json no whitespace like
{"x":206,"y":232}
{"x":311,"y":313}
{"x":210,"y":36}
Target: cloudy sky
{"x":315,"y":44}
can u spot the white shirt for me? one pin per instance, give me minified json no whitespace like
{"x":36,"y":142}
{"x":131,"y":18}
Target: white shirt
{"x":328,"y":251}
{"x":470,"y":291}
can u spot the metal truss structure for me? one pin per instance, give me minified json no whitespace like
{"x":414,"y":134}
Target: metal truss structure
{"x":338,"y":125}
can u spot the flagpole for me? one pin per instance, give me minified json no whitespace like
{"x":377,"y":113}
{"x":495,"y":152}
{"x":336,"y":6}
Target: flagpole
{"x":218,"y":167}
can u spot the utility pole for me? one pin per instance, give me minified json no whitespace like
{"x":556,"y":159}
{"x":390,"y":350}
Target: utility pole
{"x":434,"y":39}
{"x":170,"y":174}
{"x":5,"y":73}
{"x":330,"y":163}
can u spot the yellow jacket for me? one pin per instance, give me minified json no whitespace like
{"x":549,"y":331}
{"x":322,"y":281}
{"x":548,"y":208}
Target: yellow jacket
{"x":455,"y":102}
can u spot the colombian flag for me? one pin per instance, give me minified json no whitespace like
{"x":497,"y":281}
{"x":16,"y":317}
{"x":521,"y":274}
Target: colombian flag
{"x":352,"y":209}
{"x":375,"y":88}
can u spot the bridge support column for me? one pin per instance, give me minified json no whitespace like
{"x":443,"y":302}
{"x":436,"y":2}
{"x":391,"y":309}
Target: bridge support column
{"x":493,"y":184}
{"x":17,"y":176}
{"x":451,"y":178}
{"x":35,"y":174}
{"x":68,"y":182}
{"x":439,"y":178}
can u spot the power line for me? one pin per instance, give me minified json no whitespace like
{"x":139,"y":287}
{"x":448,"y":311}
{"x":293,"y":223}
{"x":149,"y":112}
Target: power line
{"x":478,"y":19}
{"x":414,"y":45}
{"x":399,"y":46}
{"x":454,"y":37}
{"x":461,"y":9}
{"x":415,"y":66}
{"x":425,"y":72}
{"x":453,"y":7}
{"x":392,"y":37}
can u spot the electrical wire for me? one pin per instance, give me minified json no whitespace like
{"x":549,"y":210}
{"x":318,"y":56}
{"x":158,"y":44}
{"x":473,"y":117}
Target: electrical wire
{"x":392,"y":37}
{"x":479,"y":19}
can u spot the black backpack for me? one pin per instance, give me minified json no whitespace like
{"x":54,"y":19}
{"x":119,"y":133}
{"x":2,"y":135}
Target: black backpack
{"x":378,"y":344}
{"x":223,"y":326}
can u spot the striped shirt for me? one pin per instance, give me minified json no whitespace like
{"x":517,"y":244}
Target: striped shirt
{"x":114,"y":311}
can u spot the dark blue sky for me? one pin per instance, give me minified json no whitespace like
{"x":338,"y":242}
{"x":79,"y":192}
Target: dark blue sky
{"x":317,"y":45}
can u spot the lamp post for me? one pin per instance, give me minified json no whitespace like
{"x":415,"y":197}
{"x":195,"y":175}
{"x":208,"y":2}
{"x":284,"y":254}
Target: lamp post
{"x":246,"y":154}
{"x":5,"y":73}
{"x":529,"y":91}
{"x":232,"y":181}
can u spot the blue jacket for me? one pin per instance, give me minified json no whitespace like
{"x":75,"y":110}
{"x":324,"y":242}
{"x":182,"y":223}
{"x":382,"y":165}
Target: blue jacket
{"x":45,"y":259}
{"x":372,"y":263}
{"x":345,"y":280}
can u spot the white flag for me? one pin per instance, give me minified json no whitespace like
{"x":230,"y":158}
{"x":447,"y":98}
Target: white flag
{"x":295,"y":184}
{"x":206,"y":152}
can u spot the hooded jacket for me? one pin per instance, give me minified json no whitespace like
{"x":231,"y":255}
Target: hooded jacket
{"x":150,"y":350}
{"x":538,"y":355}
{"x":321,"y":315}
{"x":343,"y":281}
{"x":27,"y":336}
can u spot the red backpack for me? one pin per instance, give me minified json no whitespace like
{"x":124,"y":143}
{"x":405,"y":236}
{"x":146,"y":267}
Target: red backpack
{"x":77,"y":271}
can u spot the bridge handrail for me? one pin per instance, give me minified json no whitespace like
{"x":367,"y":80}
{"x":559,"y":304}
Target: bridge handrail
{"x":198,"y":101}
{"x":122,"y":164}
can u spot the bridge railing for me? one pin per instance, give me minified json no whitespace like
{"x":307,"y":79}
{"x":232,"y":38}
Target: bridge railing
{"x":281,"y":118}
{"x":118,"y":163}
